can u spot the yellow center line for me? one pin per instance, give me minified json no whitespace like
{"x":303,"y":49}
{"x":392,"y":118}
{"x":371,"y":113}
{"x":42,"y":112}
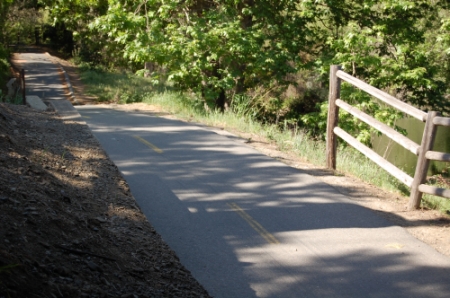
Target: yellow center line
{"x":156,"y":149}
{"x":254,"y":224}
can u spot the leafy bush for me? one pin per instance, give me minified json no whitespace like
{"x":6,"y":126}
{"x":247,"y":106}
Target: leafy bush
{"x":4,"y":67}
{"x":315,"y":123}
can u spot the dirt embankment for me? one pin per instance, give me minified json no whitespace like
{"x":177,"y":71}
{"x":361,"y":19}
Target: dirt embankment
{"x":69,"y":226}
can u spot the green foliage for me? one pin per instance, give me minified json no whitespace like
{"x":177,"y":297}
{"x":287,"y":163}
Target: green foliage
{"x":15,"y":100}
{"x":115,"y":86}
{"x":4,"y":68}
{"x":18,"y":20}
{"x":316,"y":122}
{"x":384,"y":43}
{"x":4,"y":10}
{"x":210,"y":48}
{"x":247,"y":54}
{"x":244,"y":106}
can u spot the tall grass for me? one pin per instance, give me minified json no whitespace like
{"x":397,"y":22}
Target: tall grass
{"x":117,"y":86}
{"x":125,"y":88}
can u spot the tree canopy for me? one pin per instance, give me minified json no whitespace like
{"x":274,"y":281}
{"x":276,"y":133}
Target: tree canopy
{"x":223,"y":48}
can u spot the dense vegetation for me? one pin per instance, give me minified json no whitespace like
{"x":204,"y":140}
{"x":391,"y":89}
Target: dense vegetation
{"x":273,"y":54}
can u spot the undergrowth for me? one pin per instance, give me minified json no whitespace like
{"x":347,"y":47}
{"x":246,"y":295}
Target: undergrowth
{"x":126,"y":88}
{"x":117,"y":86}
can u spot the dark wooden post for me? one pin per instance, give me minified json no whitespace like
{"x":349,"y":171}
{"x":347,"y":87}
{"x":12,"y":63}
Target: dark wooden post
{"x":420,"y":175}
{"x":22,"y":79}
{"x":333,"y":116}
{"x":37,"y":34}
{"x":149,"y":68}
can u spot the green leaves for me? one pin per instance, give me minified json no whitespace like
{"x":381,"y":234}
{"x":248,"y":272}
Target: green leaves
{"x":228,"y":47}
{"x":209,"y":47}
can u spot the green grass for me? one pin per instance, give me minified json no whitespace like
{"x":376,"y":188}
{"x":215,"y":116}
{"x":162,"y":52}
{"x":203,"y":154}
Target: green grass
{"x":434,"y":202}
{"x":118,"y":87}
{"x":125,"y":88}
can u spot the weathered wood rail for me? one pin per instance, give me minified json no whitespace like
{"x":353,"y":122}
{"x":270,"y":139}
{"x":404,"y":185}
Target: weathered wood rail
{"x":423,"y":151}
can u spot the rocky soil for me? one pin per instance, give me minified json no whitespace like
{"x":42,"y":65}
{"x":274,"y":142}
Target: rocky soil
{"x":69,"y":226}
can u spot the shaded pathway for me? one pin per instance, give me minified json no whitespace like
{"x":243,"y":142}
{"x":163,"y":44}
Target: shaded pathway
{"x":187,"y":180}
{"x":42,"y":76}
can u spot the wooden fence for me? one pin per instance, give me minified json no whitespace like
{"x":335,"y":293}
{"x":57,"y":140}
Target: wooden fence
{"x":423,"y":151}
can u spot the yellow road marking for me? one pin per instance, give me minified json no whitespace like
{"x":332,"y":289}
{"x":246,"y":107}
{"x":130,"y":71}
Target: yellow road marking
{"x":254,"y":224}
{"x":395,"y":245}
{"x":156,"y":149}
{"x":88,"y":117}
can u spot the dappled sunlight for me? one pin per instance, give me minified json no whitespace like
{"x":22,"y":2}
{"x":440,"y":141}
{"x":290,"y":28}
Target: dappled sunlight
{"x":42,"y":76}
{"x":250,"y":185}
{"x":355,"y":272}
{"x":194,"y":196}
{"x":238,"y":217}
{"x":134,"y":163}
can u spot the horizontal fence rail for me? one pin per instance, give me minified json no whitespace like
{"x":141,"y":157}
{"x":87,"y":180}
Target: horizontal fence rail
{"x":383,"y":96}
{"x":423,"y":151}
{"x":396,"y":172}
{"x":380,"y":126}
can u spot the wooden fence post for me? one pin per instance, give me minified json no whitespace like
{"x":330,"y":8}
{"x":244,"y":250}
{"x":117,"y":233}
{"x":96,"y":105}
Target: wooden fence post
{"x":22,"y":76}
{"x":333,"y":116}
{"x":429,"y":134}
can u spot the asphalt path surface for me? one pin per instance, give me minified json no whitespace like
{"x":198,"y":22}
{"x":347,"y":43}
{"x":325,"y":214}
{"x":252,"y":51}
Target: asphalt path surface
{"x":42,"y":76}
{"x":247,"y":225}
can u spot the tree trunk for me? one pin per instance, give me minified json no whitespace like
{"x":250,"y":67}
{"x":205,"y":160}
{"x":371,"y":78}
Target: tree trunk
{"x":149,"y":68}
{"x":221,"y":99}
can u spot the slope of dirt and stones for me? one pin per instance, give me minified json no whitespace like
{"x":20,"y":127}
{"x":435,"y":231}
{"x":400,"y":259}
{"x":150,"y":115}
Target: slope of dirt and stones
{"x":69,"y":226}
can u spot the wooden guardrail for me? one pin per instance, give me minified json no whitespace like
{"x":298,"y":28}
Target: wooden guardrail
{"x":423,"y":151}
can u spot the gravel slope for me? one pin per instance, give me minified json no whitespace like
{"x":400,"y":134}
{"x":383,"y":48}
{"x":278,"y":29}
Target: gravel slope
{"x":69,"y":226}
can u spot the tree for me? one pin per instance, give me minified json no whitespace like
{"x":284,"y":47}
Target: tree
{"x":219,"y":48}
{"x":211,"y":47}
{"x":4,"y":8}
{"x":18,"y":19}
{"x":383,"y":43}
{"x":69,"y":26}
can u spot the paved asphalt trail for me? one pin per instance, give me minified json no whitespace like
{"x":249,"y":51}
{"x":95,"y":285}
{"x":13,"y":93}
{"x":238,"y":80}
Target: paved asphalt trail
{"x":247,"y":225}
{"x":244,"y":224}
{"x":42,"y":76}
